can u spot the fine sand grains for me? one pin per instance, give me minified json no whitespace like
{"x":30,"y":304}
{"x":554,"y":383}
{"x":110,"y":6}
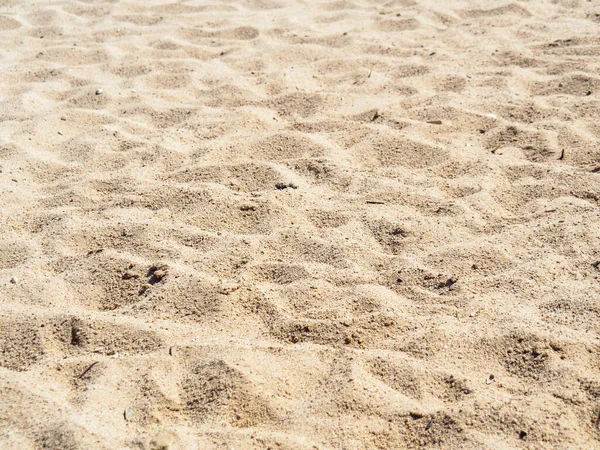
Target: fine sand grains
{"x":281,"y":224}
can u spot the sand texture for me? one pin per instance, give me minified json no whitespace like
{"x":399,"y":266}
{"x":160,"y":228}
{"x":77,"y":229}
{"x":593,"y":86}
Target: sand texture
{"x":286,"y":224}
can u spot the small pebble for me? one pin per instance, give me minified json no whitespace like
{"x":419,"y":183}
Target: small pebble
{"x":128,"y":414}
{"x":14,"y":280}
{"x":158,"y":275}
{"x":99,"y":91}
{"x":490,"y":379}
{"x":128,"y":275}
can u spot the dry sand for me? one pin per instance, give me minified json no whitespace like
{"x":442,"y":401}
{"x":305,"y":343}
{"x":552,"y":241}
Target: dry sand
{"x":295,"y":224}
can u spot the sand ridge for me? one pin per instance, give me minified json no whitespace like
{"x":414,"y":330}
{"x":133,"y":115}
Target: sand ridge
{"x":299,"y":225}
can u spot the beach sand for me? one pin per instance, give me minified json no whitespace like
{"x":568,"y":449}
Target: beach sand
{"x":280,"y":224}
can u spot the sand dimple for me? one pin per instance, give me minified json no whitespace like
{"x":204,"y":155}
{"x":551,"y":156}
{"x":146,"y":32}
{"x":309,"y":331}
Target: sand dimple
{"x":77,"y":336}
{"x":8,"y":23}
{"x":21,"y":344}
{"x":398,"y":25}
{"x":246,"y":177}
{"x":576,"y":85}
{"x":510,"y":9}
{"x":280,"y":147}
{"x":303,"y":105}
{"x":213,"y":390}
{"x":534,"y":144}
{"x":404,"y":152}
{"x":400,"y":376}
{"x":241,"y":33}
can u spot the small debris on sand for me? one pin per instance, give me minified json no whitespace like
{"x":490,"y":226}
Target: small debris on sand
{"x":282,"y":186}
{"x":128,"y":414}
{"x":87,"y":370}
{"x":429,"y":424}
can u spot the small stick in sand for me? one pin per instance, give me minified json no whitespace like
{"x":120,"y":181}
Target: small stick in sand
{"x":87,"y":370}
{"x":429,"y":424}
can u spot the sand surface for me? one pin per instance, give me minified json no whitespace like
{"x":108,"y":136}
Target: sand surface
{"x":281,"y":224}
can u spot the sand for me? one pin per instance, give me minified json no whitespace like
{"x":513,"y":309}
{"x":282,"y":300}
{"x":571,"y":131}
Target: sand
{"x":281,"y":224}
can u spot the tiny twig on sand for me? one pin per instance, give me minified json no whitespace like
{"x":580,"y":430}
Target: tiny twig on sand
{"x":429,"y":424}
{"x":87,"y":370}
